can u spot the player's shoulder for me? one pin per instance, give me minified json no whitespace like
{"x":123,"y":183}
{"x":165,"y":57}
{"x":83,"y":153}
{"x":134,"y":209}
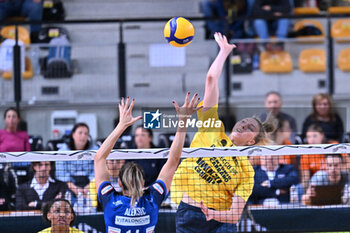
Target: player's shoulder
{"x":105,"y":188}
{"x":158,"y":186}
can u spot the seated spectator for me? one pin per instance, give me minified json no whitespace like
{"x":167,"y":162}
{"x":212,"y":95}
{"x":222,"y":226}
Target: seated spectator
{"x":8,"y":186}
{"x":325,"y":116}
{"x":113,"y":167}
{"x":225,"y":9}
{"x":77,"y":174}
{"x":310,"y":164}
{"x":41,"y":189}
{"x":325,"y":4}
{"x":12,"y":140}
{"x":32,"y":9}
{"x":332,"y":175}
{"x":279,"y":27}
{"x":272,"y":181}
{"x":273,"y":104}
{"x":60,"y":215}
{"x":151,"y":167}
{"x":281,"y":136}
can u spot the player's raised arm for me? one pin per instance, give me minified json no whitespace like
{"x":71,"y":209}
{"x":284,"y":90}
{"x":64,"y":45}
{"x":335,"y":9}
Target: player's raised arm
{"x":125,"y":120}
{"x":184,"y":112}
{"x":211,"y":94}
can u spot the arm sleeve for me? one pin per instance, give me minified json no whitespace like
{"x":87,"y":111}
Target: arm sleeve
{"x":27,"y":145}
{"x":318,"y":178}
{"x":282,"y":6}
{"x":340,"y":128}
{"x":91,"y":170}
{"x":287,"y":181}
{"x":263,"y":192}
{"x":158,"y":191}
{"x":62,"y":171}
{"x":21,"y":203}
{"x":105,"y":192}
{"x":257,"y":8}
{"x":306,"y":125}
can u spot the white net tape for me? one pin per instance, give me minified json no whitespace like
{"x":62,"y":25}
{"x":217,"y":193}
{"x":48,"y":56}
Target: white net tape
{"x":186,"y":152}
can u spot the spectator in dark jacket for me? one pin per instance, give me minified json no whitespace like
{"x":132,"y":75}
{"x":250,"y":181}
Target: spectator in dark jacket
{"x":273,"y":104}
{"x":226,"y":10}
{"x":28,"y":8}
{"x":324,"y":115}
{"x":270,"y":8}
{"x":41,"y":189}
{"x":272,"y":181}
{"x":151,"y":167}
{"x":8,"y":185}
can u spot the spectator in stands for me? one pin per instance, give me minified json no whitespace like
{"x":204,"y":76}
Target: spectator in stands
{"x":113,"y":167}
{"x":310,"y":164}
{"x":273,"y":104}
{"x":151,"y":167}
{"x":41,"y":189}
{"x":77,"y":174}
{"x":12,"y":140}
{"x":281,"y":136}
{"x":32,"y":9}
{"x":332,"y":175}
{"x":8,"y":186}
{"x":60,"y":214}
{"x":226,"y":10}
{"x":325,"y":4}
{"x":279,"y":27}
{"x":325,"y":116}
{"x":272,"y":181}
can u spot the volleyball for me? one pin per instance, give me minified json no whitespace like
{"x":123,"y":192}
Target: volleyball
{"x":179,"y":32}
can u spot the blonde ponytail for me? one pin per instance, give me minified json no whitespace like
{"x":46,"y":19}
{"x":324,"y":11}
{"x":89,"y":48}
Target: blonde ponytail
{"x":132,"y":178}
{"x":267,"y":127}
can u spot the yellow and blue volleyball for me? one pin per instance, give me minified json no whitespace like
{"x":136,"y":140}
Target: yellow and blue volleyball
{"x":179,"y":32}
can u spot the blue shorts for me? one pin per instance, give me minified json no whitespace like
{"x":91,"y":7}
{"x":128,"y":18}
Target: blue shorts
{"x":191,"y":219}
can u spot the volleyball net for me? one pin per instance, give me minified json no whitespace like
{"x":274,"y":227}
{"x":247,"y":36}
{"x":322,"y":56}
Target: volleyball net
{"x":294,"y":188}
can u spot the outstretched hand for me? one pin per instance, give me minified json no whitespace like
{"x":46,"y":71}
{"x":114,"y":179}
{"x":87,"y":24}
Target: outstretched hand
{"x":188,"y":108}
{"x":125,"y":113}
{"x":223,"y":43}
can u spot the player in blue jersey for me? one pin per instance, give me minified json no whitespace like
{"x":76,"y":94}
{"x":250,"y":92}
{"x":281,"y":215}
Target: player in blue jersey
{"x":135,"y":209}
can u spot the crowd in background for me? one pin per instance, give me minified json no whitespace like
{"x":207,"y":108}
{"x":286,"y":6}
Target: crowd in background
{"x":275,"y":176}
{"x":278,"y":179}
{"x":271,"y":23}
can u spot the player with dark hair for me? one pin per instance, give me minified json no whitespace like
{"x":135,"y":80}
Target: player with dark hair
{"x":60,"y":214}
{"x":135,"y":209}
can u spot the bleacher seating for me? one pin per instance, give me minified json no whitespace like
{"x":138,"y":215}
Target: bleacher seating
{"x":276,"y":62}
{"x":341,"y":30}
{"x":308,"y":22}
{"x":344,"y":60}
{"x":306,"y":11}
{"x":339,"y":10}
{"x":8,"y":32}
{"x":312,"y":60}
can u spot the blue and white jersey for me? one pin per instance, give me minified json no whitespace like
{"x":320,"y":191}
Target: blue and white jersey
{"x":121,"y":218}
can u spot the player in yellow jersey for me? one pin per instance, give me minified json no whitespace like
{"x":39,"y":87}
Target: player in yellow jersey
{"x":60,"y":214}
{"x":212,"y":192}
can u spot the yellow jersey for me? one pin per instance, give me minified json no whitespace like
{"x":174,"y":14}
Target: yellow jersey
{"x":213,"y":180}
{"x":71,"y":230}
